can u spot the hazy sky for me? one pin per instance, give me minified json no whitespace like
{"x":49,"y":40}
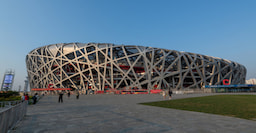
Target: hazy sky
{"x":220,"y":28}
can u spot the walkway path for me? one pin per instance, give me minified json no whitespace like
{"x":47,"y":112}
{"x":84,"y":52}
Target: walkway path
{"x":122,"y":114}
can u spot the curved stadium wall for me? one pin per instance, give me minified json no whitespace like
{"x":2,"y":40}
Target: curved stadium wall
{"x":102,"y":66}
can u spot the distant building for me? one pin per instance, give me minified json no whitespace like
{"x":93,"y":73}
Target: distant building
{"x":102,"y":66}
{"x":8,"y":80}
{"x":251,"y":81}
{"x":26,"y":85}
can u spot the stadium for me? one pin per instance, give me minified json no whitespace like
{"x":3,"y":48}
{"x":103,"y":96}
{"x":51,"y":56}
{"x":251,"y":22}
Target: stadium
{"x":103,"y":67}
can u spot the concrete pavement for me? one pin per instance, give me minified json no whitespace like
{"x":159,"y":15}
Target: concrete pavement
{"x":123,"y":114}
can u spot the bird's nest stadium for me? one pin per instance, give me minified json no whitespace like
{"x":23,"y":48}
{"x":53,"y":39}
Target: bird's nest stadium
{"x":103,"y":67}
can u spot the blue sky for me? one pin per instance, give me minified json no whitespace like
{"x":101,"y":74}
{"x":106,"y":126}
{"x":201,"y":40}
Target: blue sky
{"x":220,"y":28}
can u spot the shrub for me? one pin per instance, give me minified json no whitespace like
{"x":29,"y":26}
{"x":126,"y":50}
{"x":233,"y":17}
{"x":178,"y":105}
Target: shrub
{"x":9,"y":96}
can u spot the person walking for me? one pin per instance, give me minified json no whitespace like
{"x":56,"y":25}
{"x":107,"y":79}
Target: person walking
{"x":170,"y":94}
{"x":23,"y":97}
{"x":34,"y":98}
{"x":77,"y":95}
{"x":27,"y":98}
{"x":68,"y":94}
{"x":164,"y":94}
{"x":60,"y":97}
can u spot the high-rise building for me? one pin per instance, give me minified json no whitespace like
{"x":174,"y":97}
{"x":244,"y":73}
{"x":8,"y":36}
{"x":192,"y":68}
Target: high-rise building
{"x":8,"y":80}
{"x":26,"y":85}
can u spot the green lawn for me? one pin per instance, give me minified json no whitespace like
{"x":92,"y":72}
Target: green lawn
{"x":241,"y":106}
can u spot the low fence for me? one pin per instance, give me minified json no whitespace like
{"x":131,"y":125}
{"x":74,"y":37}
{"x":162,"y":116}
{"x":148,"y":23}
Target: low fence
{"x":6,"y":104}
{"x":10,"y":114}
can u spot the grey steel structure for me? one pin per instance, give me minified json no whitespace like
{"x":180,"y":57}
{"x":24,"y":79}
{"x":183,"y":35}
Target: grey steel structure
{"x":102,"y":66}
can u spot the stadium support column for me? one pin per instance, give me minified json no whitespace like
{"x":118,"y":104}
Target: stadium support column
{"x":180,"y":83}
{"x":111,"y":56}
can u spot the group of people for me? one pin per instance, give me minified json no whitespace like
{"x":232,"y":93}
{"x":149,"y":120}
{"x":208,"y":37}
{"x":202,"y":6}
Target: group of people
{"x":164,"y":93}
{"x":25,"y":98}
{"x":61,"y":96}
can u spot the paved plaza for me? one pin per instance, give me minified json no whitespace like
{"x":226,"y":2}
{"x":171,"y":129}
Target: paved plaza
{"x":123,"y":114}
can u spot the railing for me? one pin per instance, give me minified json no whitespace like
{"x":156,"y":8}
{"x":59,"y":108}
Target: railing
{"x":11,"y":112}
{"x":6,"y":104}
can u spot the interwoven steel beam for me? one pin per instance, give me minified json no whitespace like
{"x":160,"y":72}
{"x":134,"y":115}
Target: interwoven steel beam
{"x":101,"y":66}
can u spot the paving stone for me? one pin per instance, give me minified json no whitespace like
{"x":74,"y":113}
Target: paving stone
{"x":123,"y":114}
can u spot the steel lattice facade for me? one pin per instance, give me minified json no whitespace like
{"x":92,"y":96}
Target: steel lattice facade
{"x":101,"y":66}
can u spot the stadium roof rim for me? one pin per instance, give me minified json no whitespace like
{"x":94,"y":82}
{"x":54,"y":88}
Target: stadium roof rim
{"x":116,"y":45}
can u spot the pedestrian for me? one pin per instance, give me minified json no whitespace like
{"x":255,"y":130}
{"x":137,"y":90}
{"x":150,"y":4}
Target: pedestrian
{"x":23,"y":97}
{"x":27,"y":98}
{"x":77,"y":95}
{"x":170,"y":94}
{"x":60,"y":97}
{"x":164,"y":94}
{"x":68,"y":94}
{"x":37,"y":97}
{"x":34,"y":98}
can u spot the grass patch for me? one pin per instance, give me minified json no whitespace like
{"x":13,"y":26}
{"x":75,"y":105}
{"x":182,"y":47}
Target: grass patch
{"x":10,"y":98}
{"x":241,"y":106}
